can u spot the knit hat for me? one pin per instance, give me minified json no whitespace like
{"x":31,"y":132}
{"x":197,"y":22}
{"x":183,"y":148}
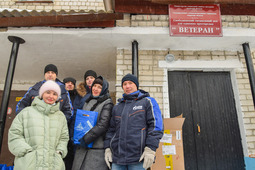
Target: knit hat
{"x":130,"y":77}
{"x":67,"y":79}
{"x":90,"y":73}
{"x":98,"y":80}
{"x":49,"y":85}
{"x":51,"y":67}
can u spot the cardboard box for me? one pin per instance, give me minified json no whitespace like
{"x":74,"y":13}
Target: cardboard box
{"x":169,"y":155}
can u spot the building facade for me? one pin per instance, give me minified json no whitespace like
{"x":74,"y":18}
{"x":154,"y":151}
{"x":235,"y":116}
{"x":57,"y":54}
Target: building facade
{"x":188,"y":85}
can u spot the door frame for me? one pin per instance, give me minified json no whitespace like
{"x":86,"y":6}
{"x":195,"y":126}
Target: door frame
{"x":206,"y":66}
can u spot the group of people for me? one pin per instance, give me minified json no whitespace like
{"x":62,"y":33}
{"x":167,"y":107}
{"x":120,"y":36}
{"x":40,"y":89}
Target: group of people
{"x":125,"y":136}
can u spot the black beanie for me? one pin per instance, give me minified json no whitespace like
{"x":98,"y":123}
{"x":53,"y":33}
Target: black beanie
{"x":130,"y":77}
{"x":98,"y":80}
{"x":69,"y":79}
{"x":90,"y":73}
{"x":51,"y":67}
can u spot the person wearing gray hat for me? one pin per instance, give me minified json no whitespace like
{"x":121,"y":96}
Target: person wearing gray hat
{"x":50,"y":73}
{"x":136,"y":128}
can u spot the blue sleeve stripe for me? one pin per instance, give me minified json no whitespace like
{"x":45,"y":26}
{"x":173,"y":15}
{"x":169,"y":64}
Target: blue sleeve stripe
{"x":156,"y":113}
{"x":17,"y":106}
{"x":71,"y":105}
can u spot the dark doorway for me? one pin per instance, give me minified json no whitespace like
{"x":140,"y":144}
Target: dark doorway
{"x":211,"y":134}
{"x":6,"y":157}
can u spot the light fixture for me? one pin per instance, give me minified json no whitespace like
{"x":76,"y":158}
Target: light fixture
{"x":169,"y":57}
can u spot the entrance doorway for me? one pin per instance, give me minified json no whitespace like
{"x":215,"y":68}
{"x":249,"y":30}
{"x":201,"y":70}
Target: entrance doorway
{"x":211,"y":135}
{"x":6,"y":157}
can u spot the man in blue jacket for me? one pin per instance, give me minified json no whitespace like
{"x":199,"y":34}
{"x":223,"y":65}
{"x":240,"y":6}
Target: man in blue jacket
{"x":135,"y":129}
{"x":50,"y":73}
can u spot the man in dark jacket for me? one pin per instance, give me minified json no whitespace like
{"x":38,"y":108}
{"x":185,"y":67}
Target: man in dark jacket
{"x":135,"y":129}
{"x":70,"y":83}
{"x":50,"y":73}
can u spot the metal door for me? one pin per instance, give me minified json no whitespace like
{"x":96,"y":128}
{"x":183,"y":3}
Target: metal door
{"x":211,"y":134}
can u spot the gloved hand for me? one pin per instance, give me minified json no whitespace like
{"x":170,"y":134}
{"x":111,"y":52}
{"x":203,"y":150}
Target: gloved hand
{"x":108,"y":157}
{"x":147,"y":157}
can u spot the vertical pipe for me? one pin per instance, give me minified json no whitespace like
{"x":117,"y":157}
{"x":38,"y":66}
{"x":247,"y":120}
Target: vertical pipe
{"x":108,"y":5}
{"x":250,"y":68}
{"x":8,"y":83}
{"x":135,"y":58}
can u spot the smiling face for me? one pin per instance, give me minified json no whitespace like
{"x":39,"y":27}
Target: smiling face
{"x":129,"y":87}
{"x":96,"y":89}
{"x":50,"y":97}
{"x":50,"y":75}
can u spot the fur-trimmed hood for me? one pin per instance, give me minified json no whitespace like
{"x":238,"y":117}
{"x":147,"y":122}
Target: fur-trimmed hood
{"x":82,"y":89}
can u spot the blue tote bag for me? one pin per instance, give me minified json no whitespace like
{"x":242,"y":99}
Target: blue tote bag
{"x":85,"y":120}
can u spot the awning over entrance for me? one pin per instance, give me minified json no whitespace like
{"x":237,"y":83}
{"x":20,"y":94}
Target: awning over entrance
{"x":160,"y":7}
{"x":31,"y":18}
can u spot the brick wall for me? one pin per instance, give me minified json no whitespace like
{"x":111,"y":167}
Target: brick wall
{"x":152,"y":79}
{"x":163,"y":21}
{"x":57,"y":5}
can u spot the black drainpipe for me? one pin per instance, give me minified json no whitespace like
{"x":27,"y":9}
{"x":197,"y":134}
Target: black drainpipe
{"x":135,"y":58}
{"x":8,"y":82}
{"x":250,"y":68}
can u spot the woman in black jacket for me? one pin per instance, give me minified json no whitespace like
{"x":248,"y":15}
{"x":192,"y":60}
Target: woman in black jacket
{"x":99,"y":101}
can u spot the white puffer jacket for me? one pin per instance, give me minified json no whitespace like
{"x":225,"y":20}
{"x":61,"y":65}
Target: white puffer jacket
{"x":38,"y":136}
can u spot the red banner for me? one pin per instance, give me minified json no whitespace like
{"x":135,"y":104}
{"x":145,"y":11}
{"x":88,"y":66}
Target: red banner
{"x":195,"y":20}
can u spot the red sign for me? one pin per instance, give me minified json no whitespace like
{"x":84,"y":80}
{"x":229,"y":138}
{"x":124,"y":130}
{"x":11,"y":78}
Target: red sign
{"x":195,"y":20}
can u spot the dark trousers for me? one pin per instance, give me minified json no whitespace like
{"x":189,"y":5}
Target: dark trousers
{"x":70,"y":156}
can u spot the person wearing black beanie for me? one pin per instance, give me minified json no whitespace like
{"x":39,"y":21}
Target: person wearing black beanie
{"x":51,"y":67}
{"x":130,"y":77}
{"x":135,"y":130}
{"x":50,"y":73}
{"x":70,"y":87}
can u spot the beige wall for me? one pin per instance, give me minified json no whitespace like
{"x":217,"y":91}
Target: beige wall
{"x":163,"y":21}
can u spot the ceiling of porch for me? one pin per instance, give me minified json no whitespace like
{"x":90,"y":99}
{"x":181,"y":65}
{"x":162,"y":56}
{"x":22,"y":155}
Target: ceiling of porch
{"x":76,"y":50}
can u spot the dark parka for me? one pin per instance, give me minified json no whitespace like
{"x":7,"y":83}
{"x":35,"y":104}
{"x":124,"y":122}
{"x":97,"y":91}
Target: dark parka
{"x":65,"y":102}
{"x":93,"y":158}
{"x":136,"y":122}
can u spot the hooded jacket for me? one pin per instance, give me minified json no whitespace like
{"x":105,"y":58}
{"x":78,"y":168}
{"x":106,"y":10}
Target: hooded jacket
{"x":136,"y":122}
{"x":37,"y":136}
{"x":89,"y":159}
{"x":65,"y":102}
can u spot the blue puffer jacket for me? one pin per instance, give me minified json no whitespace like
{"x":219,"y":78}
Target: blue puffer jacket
{"x":136,"y":122}
{"x":65,"y":102}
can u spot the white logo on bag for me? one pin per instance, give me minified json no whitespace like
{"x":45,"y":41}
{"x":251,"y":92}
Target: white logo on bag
{"x":79,"y":127}
{"x":89,"y":124}
{"x":137,"y":107}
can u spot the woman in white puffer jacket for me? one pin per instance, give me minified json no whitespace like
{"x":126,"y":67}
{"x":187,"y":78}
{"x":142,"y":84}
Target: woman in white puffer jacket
{"x":38,"y":135}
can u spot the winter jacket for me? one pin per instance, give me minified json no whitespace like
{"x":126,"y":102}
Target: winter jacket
{"x":72,"y":93}
{"x":136,"y":122}
{"x":65,"y":102}
{"x":93,"y":158}
{"x":37,"y":136}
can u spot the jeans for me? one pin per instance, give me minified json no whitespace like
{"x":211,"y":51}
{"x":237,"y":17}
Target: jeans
{"x":138,"y":166}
